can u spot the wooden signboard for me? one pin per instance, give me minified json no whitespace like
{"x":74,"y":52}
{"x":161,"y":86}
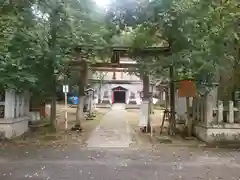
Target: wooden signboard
{"x":187,"y":88}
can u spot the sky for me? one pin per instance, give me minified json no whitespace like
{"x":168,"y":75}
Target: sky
{"x":102,"y":3}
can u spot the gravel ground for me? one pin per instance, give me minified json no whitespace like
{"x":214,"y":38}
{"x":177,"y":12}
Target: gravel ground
{"x":119,"y":163}
{"x":142,"y":161}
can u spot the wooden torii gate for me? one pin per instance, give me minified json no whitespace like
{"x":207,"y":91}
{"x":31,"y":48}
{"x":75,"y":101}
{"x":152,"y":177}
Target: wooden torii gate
{"x":80,"y":64}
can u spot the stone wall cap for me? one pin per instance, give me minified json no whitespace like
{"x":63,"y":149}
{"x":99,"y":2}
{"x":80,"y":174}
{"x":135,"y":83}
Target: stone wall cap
{"x":14,"y":120}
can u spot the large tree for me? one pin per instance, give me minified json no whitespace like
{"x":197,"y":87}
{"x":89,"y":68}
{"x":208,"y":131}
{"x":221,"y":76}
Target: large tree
{"x":38,"y":38}
{"x":203,"y":35}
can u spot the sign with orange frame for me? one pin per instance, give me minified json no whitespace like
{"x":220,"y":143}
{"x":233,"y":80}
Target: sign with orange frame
{"x":187,"y":88}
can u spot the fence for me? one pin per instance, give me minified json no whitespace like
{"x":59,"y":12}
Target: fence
{"x":208,"y":110}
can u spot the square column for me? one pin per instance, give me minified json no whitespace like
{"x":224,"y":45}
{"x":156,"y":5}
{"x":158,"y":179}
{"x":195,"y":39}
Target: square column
{"x":17,"y":105}
{"x":209,"y":104}
{"x":144,"y":113}
{"x":26,"y":103}
{"x":21,"y":100}
{"x":9,"y":104}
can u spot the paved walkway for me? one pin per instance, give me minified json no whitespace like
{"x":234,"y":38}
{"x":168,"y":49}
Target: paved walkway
{"x":113,"y":131}
{"x":118,"y":106}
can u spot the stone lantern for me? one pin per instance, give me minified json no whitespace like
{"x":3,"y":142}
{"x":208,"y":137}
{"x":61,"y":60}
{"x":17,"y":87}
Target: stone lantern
{"x":90,"y":97}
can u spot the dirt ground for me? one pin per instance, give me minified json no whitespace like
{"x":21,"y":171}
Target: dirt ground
{"x":45,"y":136}
{"x":158,"y":139}
{"x":140,"y":138}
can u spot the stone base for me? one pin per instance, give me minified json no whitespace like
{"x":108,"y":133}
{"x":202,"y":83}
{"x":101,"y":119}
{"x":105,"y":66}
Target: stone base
{"x":103,"y":105}
{"x":35,"y":116}
{"x":105,"y":101}
{"x":132,"y":102}
{"x":13,"y":127}
{"x":215,"y":134}
{"x":132,"y":106}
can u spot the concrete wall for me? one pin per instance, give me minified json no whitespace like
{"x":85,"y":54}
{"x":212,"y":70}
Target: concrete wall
{"x":13,"y":128}
{"x":16,"y":114}
{"x":227,"y":133}
{"x":208,"y":121}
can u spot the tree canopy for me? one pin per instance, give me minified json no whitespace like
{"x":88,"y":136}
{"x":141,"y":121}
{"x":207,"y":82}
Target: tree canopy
{"x":37,"y":37}
{"x":203,"y":35}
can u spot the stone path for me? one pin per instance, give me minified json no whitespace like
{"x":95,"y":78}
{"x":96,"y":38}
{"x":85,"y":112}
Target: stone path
{"x":119,"y":106}
{"x":113,"y":131}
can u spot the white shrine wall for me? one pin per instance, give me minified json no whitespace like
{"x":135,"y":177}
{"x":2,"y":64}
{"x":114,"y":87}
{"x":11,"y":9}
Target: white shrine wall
{"x":14,"y":114}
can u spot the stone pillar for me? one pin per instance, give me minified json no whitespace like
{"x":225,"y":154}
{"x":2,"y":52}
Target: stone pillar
{"x":92,"y":102}
{"x":101,"y":96}
{"x":198,"y":104}
{"x":210,"y":103}
{"x":17,"y":101}
{"x":87,"y":100}
{"x":194,"y":112}
{"x":164,"y":96}
{"x":230,"y":112}
{"x":90,"y":96}
{"x":202,"y":109}
{"x":220,"y":112}
{"x":145,"y":107}
{"x":238,"y":112}
{"x":9,"y":104}
{"x":22,"y":99}
{"x":26,"y":104}
{"x":208,"y":111}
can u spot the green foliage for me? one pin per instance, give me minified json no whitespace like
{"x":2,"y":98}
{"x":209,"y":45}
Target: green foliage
{"x":203,"y":35}
{"x":18,"y":45}
{"x":38,"y":37}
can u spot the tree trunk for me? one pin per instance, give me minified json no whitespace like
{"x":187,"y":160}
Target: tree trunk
{"x":146,"y":97}
{"x":52,"y":41}
{"x":53,"y":113}
{"x":146,"y":86}
{"x":53,"y":104}
{"x":172,"y":121}
{"x":99,"y":92}
{"x":167,"y":99}
{"x":81,"y":97}
{"x":189,"y":119}
{"x":80,"y":114}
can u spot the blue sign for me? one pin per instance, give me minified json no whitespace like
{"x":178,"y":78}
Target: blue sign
{"x":73,"y":100}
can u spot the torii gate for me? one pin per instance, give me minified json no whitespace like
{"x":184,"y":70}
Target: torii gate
{"x":114,"y":65}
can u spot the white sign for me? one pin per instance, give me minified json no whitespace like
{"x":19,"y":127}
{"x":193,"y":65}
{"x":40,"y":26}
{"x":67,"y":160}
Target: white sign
{"x":65,"y":88}
{"x":144,"y":114}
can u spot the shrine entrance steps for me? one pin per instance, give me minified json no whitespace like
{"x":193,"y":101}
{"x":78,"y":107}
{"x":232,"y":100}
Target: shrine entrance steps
{"x":118,"y":106}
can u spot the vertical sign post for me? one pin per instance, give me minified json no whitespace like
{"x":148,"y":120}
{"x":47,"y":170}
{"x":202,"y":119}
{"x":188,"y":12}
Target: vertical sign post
{"x":65,"y":91}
